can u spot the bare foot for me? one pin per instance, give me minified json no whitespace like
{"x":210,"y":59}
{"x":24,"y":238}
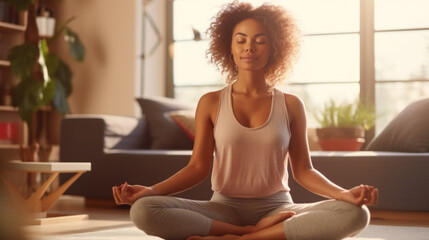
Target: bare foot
{"x":272,"y":220}
{"x":262,"y":224}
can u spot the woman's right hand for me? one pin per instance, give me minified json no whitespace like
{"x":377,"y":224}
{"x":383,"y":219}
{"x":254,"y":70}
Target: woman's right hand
{"x":128,"y":194}
{"x":362,"y":194}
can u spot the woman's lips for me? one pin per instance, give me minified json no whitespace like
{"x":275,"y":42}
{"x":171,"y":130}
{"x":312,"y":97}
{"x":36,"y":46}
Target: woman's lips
{"x":249,"y":58}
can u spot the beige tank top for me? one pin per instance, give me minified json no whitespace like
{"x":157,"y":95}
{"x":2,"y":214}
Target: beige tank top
{"x":251,"y":162}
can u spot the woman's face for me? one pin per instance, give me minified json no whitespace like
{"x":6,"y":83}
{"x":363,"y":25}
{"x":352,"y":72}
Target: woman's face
{"x":250,"y":45}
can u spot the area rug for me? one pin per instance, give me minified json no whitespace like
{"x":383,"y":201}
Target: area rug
{"x":390,"y":232}
{"x":128,"y":233}
{"x":373,"y":232}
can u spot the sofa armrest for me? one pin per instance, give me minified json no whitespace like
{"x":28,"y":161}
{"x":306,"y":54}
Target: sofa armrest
{"x":85,"y":137}
{"x":400,"y":177}
{"x":81,"y":138}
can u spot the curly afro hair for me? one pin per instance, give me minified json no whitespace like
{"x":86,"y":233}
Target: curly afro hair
{"x":282,"y":32}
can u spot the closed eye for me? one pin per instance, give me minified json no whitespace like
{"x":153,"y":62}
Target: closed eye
{"x":240,"y":39}
{"x":261,"y":40}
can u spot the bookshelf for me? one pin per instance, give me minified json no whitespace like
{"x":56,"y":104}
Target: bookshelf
{"x":12,"y":30}
{"x":4,"y":63}
{"x":11,"y":27}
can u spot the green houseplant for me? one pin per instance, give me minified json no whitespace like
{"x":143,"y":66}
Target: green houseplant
{"x":44,"y":79}
{"x":342,"y":126}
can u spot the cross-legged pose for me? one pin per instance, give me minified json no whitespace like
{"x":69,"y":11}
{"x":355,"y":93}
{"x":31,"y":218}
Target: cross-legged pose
{"x":253,"y":129}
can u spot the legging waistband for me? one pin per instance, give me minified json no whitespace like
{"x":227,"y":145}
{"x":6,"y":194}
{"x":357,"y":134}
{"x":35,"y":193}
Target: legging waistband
{"x":281,"y":197}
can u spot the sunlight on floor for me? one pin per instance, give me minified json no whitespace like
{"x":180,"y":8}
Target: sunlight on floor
{"x":112,"y":223}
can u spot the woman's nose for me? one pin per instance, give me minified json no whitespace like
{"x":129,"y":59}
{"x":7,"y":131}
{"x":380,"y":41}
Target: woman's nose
{"x":249,"y":49}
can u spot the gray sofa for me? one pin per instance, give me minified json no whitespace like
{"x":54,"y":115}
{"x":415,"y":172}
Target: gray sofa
{"x":121,"y":149}
{"x":113,"y":145}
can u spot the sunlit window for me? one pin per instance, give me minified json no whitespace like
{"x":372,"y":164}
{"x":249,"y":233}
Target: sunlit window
{"x":329,"y":66}
{"x":401,"y":14}
{"x":401,"y":55}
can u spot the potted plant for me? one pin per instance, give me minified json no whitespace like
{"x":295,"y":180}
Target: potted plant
{"x":342,"y":126}
{"x":45,"y":79}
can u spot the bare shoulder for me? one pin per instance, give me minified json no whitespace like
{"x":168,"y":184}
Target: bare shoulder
{"x":209,"y":100}
{"x":209,"y":104}
{"x":295,"y":107}
{"x":293,"y":102}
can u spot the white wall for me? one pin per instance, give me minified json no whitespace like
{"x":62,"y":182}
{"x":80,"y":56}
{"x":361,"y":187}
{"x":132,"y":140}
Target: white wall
{"x":109,"y":78}
{"x":155,"y":63}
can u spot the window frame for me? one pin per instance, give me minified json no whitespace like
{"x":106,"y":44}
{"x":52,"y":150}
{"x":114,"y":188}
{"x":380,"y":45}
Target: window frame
{"x":367,"y":32}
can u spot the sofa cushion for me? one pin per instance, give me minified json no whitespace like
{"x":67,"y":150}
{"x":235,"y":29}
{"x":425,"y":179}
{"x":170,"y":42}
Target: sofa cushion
{"x":128,"y":135}
{"x":185,"y":119}
{"x":407,"y":132}
{"x":164,"y":132}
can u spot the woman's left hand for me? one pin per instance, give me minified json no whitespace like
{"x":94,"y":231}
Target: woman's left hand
{"x":128,"y":194}
{"x":360,"y":195}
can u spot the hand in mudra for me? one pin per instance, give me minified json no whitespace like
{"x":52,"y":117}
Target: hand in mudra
{"x":361,"y":195}
{"x":128,"y":194}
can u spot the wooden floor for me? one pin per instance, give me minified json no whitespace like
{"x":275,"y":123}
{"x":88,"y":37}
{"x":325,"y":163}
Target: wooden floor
{"x":105,"y":216}
{"x":101,"y":216}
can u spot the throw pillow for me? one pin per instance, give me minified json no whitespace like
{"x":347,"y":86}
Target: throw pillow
{"x":185,"y":119}
{"x":407,"y":132}
{"x":164,"y":132}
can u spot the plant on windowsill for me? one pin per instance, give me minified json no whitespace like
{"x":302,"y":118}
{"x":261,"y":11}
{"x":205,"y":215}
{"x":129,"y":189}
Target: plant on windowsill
{"x":342,"y":126}
{"x":45,"y":79}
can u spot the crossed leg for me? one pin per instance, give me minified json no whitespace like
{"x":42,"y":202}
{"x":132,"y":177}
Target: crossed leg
{"x":174,"y":218}
{"x":322,"y":220}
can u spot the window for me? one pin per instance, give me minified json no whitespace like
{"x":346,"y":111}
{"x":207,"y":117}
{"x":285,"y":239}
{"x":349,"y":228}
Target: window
{"x":328,"y":67}
{"x":351,"y":49}
{"x":401,"y":43}
{"x":192,"y":74}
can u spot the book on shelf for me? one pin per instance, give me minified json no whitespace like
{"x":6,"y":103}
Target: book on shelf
{"x":9,"y":133}
{"x":8,"y":13}
{"x":5,"y":93}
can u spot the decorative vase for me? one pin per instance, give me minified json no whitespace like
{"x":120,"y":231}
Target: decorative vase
{"x":45,"y":26}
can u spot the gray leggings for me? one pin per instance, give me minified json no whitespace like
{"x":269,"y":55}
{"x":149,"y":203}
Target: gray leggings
{"x":177,"y":218}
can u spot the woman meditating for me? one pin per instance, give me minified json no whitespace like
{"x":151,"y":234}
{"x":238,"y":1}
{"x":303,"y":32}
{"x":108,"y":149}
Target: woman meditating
{"x":252,"y":128}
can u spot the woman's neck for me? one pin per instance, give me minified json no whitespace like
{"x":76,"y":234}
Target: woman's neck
{"x":250,"y":82}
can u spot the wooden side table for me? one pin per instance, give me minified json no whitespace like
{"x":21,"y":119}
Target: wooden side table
{"x":39,"y":201}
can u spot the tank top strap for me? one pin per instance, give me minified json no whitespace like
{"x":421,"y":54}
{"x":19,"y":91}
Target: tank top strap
{"x":225,"y":106}
{"x":280,"y":107}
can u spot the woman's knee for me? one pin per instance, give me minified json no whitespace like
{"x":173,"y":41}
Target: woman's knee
{"x":357,"y":217}
{"x":363,"y":217}
{"x":143,"y":212}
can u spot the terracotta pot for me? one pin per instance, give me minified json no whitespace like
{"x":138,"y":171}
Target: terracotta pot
{"x":341,"y":138}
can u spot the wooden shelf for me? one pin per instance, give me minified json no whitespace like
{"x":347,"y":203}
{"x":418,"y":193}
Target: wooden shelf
{"x":5,"y":26}
{"x":8,"y":108}
{"x":15,"y":109}
{"x":4,"y":63}
{"x":11,"y":34}
{"x":9,"y":146}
